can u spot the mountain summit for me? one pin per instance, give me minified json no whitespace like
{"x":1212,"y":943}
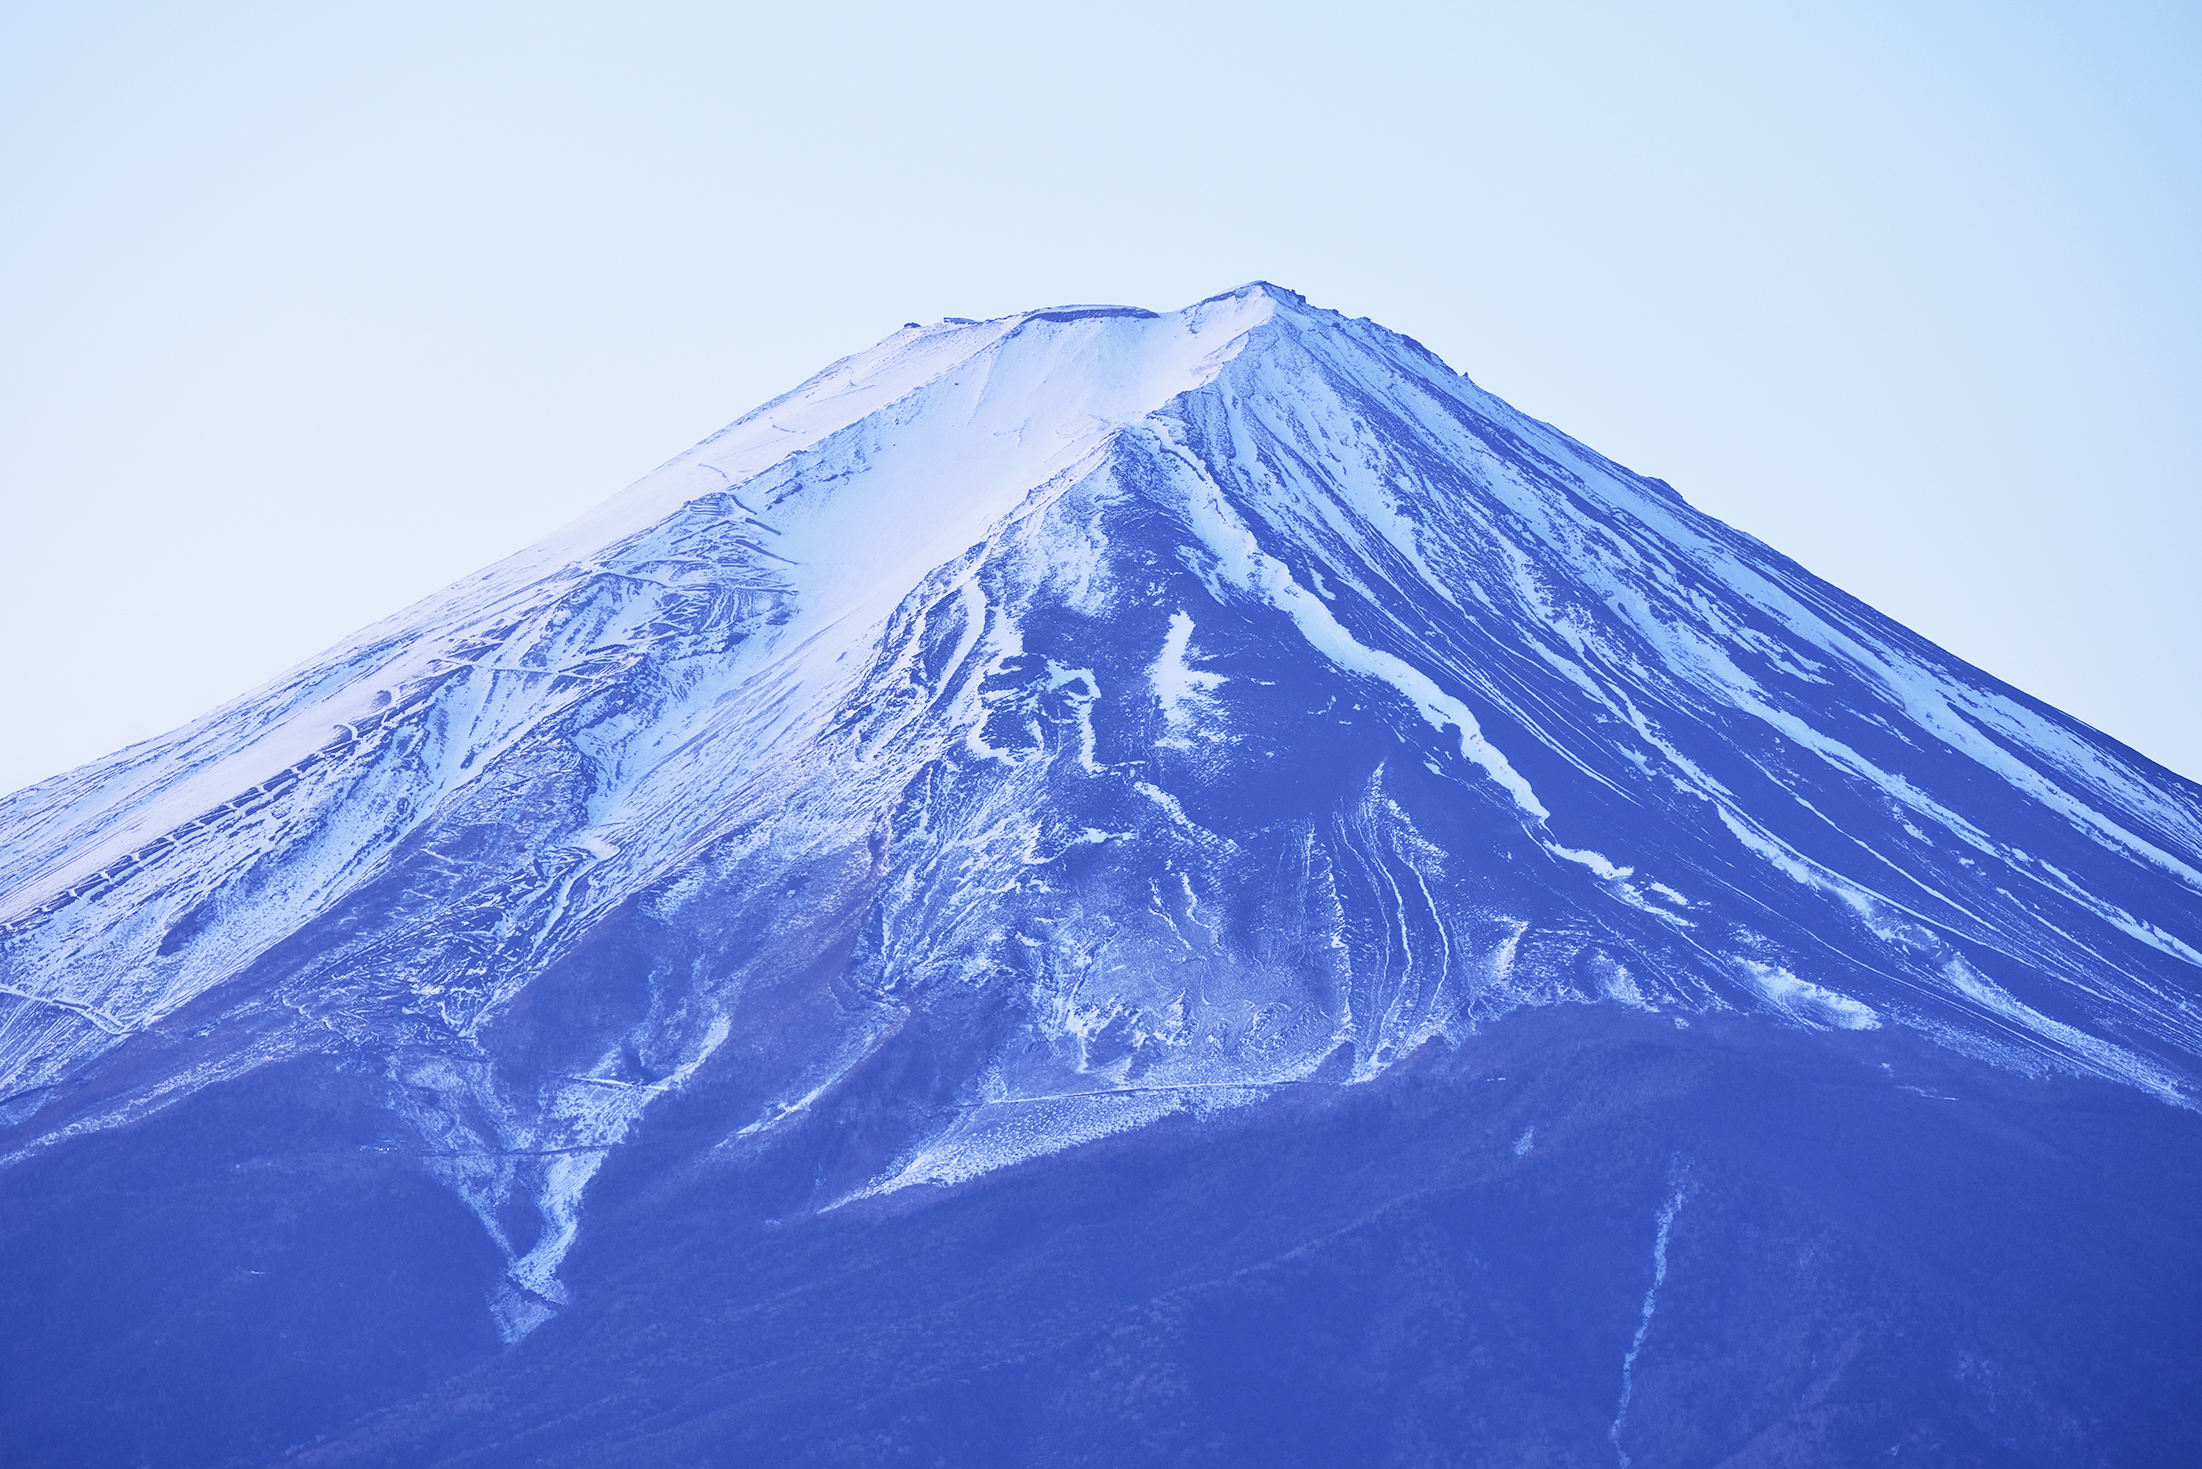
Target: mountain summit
{"x":1125,"y":746}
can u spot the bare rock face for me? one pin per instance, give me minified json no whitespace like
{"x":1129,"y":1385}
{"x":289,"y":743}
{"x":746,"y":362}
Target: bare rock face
{"x":1119,"y":887}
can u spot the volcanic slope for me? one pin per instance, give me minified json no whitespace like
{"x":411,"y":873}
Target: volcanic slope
{"x":1101,"y":734}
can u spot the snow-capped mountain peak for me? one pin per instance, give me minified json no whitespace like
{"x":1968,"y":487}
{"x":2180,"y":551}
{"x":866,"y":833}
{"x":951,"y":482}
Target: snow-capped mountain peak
{"x":1151,"y":711}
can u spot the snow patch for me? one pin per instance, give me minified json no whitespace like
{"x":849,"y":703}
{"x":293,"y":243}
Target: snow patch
{"x":1182,"y":689}
{"x":1809,"y":1002}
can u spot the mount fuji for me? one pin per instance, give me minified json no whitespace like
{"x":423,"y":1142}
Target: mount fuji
{"x":1112,"y":887}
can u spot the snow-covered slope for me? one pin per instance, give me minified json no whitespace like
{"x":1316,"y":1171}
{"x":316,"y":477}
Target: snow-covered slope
{"x":1160,"y":710}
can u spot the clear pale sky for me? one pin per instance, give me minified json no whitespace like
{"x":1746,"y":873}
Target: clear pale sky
{"x":310,"y":309}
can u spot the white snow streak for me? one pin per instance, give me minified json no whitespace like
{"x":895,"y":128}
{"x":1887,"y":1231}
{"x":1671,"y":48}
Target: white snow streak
{"x":1243,"y":566}
{"x":1667,"y":1211}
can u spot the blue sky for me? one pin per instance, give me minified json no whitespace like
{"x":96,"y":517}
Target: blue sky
{"x":311,"y":309}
